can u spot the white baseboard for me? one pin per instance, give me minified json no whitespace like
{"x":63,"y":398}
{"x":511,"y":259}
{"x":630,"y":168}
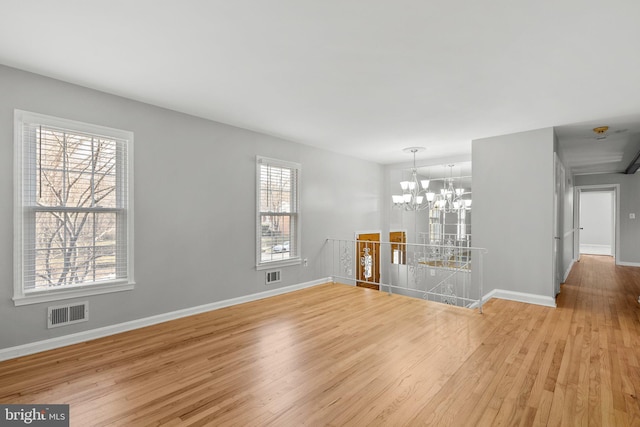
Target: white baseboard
{"x":343,"y":281}
{"x":628,"y":264}
{"x":589,"y":249}
{"x":521,"y":297}
{"x":52,"y":343}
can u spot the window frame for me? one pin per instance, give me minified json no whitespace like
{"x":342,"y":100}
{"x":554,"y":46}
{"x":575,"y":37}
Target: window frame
{"x":22,"y":229}
{"x":294,"y":259}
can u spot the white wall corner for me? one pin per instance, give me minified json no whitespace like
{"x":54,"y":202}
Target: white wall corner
{"x":53,"y":343}
{"x":568,"y":270}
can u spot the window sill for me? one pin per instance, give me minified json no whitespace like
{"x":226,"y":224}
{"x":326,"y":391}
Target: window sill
{"x":276,"y":264}
{"x":84,"y":291}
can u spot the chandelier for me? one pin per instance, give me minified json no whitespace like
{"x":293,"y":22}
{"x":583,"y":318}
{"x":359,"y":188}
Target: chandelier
{"x":417,"y":196}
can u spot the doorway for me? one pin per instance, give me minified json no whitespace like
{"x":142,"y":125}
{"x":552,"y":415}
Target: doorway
{"x":368,"y":261}
{"x":596,"y":220}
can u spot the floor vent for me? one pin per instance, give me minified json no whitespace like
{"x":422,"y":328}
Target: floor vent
{"x":67,"y":314}
{"x":273,"y":276}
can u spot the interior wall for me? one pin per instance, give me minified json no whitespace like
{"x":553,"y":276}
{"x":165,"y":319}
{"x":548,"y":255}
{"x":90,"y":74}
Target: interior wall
{"x":194,"y":205}
{"x":513,"y":178}
{"x":629,"y":203}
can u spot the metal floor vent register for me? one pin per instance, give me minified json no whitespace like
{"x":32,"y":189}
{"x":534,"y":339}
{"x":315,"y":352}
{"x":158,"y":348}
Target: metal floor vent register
{"x":67,"y":314}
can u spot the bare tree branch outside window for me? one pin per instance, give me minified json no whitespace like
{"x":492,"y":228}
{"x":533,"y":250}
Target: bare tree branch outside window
{"x":76,"y":210}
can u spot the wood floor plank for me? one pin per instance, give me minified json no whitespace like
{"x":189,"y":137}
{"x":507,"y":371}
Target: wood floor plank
{"x":340,"y":355}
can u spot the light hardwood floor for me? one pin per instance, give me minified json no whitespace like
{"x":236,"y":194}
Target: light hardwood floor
{"x":341,"y":355}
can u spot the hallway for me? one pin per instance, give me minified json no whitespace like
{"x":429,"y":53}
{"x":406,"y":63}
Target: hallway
{"x":599,"y":374}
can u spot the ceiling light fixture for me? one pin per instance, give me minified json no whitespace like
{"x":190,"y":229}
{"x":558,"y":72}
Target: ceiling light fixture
{"x":416,"y":195}
{"x":601,"y":132}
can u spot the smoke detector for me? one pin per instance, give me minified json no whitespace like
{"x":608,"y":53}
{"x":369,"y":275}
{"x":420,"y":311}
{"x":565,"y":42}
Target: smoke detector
{"x":601,"y":132}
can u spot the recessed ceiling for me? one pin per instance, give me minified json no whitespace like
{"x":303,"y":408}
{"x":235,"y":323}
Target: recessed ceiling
{"x":587,"y":152}
{"x":364,"y":78}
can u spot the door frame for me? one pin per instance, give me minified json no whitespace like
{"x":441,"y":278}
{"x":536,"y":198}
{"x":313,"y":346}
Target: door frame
{"x":557,"y":248}
{"x":404,"y":256}
{"x":615,"y":188}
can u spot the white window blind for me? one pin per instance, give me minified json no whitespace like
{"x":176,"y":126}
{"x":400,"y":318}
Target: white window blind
{"x":278,"y":212}
{"x":73,"y":215}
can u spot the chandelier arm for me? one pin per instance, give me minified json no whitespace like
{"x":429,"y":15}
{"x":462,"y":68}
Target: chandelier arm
{"x":415,"y":195}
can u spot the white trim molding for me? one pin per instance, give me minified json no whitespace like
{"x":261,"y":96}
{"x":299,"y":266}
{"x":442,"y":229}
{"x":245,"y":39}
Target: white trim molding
{"x":568,"y":270}
{"x":293,"y":213}
{"x":77,"y":292}
{"x":25,"y":290}
{"x":590,"y":249}
{"x":628,"y":264}
{"x":52,"y":343}
{"x":520,"y":297}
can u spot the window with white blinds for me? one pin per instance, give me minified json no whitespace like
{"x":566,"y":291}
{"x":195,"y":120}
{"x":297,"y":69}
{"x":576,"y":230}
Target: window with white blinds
{"x":73,"y":214}
{"x":278,"y":212}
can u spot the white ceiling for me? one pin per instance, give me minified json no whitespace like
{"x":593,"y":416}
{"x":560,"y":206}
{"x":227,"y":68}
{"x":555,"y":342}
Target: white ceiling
{"x":365,"y":78}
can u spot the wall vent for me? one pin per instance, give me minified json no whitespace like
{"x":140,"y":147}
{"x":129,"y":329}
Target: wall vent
{"x":273,"y":276}
{"x":67,"y":314}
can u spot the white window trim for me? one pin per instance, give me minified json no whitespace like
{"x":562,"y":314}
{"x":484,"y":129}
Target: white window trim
{"x":20,"y":297}
{"x":265,"y":265}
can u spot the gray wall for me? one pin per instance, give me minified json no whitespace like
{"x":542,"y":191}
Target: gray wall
{"x":513,"y":214}
{"x":194,"y":205}
{"x":629,"y":203}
